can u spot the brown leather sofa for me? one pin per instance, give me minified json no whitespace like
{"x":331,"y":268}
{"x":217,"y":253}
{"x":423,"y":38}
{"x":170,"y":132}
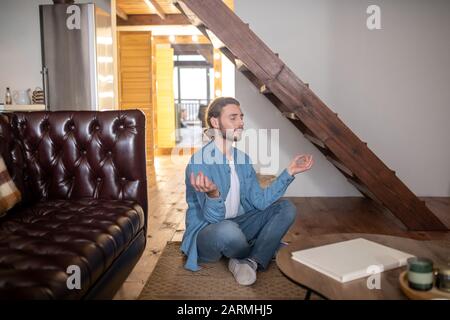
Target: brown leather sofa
{"x":82,"y":175}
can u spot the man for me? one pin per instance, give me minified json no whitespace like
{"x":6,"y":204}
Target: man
{"x":229,"y":214}
{"x":202,"y":113}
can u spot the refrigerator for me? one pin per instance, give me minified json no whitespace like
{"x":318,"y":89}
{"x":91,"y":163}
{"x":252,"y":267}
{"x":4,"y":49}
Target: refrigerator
{"x":77,"y":57}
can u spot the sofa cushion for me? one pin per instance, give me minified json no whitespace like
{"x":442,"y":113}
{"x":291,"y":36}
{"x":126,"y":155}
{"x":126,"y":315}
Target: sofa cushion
{"x":38,"y":244}
{"x":12,"y":153}
{"x":9,"y":194}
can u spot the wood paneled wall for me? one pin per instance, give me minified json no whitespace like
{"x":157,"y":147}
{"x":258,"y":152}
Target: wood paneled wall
{"x":165,"y":107}
{"x":135,"y":79}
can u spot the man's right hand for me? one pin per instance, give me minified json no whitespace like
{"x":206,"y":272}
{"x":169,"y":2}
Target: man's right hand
{"x":202,"y":183}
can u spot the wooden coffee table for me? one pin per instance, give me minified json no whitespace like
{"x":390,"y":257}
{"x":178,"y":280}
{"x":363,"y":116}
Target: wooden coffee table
{"x":315,"y":282}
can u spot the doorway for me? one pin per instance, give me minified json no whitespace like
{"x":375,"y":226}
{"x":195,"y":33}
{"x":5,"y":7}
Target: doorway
{"x":193,"y":90}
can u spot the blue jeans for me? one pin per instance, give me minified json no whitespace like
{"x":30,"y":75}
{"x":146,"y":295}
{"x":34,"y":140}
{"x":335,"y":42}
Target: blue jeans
{"x":255,"y":234}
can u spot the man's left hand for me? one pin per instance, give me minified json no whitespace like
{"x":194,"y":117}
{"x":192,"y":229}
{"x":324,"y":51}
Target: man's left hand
{"x":300,"y":163}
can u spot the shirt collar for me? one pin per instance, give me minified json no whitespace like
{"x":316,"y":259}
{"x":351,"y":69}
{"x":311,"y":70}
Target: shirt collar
{"x":213,"y":153}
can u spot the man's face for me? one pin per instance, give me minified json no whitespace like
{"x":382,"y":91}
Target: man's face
{"x":231,"y":122}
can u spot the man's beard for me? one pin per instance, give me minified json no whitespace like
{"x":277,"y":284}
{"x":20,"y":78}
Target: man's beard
{"x":228,"y":134}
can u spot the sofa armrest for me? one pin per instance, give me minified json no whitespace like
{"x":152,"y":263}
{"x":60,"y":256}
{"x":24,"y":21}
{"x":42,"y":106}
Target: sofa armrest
{"x":84,"y":154}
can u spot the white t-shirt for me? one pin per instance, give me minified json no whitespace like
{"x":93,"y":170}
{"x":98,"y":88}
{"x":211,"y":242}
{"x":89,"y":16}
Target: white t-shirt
{"x":233,"y":200}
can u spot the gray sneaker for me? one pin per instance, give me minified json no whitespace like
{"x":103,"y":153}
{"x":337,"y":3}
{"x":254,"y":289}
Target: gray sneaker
{"x":243,"y":270}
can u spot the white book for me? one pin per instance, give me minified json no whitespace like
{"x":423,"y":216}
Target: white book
{"x":353,"y":259}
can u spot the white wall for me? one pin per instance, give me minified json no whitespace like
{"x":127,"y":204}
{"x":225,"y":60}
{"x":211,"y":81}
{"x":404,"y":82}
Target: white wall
{"x":228,"y":77}
{"x":390,"y":86}
{"x":20,"y":50}
{"x":20,"y":53}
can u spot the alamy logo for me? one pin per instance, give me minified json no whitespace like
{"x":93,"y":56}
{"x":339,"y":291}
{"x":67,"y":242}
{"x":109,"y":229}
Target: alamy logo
{"x":374,"y":20}
{"x":74,"y":279}
{"x":73,"y":21}
{"x":262,"y":145}
{"x":374,"y":280}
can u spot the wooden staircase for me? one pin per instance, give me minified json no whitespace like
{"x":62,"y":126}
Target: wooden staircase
{"x":307,"y":112}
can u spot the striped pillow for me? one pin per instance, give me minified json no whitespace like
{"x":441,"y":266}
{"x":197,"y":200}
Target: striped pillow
{"x":9,"y":194}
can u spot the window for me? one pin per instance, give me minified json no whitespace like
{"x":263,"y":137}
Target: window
{"x":193,"y":79}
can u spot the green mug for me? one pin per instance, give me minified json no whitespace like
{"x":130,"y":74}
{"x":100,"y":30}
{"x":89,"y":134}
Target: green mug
{"x":420,"y":273}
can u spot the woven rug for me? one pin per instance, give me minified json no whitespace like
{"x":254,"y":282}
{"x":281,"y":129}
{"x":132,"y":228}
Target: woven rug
{"x":170,"y":281}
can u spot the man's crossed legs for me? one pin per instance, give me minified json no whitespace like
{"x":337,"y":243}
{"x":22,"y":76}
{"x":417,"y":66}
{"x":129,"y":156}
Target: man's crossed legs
{"x":249,"y":240}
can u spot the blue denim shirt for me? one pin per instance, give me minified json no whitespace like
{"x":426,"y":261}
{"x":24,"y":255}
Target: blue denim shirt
{"x":203,"y":210}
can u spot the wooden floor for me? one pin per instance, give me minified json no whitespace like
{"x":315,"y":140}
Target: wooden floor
{"x":166,"y":194}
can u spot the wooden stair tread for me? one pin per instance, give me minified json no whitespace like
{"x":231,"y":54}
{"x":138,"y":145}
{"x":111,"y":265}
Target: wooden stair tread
{"x":217,"y":44}
{"x":240,"y":66}
{"x":340,"y":166}
{"x":264,"y":90}
{"x":364,"y":190}
{"x":290,"y":115}
{"x":315,"y":141}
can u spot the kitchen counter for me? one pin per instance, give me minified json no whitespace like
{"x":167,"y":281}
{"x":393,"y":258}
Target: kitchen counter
{"x":24,"y":107}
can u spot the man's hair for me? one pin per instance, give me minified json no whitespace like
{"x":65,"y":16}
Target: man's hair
{"x":215,"y":108}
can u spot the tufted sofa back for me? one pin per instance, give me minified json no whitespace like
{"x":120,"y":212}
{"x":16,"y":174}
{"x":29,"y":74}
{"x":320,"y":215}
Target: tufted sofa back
{"x":76,"y":154}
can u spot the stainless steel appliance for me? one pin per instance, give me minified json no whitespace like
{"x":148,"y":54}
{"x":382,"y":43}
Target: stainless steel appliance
{"x":73,"y":45}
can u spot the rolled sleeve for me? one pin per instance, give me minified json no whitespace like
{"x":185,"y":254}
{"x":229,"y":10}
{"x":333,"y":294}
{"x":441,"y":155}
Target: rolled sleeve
{"x":261,"y":198}
{"x":285,"y":177}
